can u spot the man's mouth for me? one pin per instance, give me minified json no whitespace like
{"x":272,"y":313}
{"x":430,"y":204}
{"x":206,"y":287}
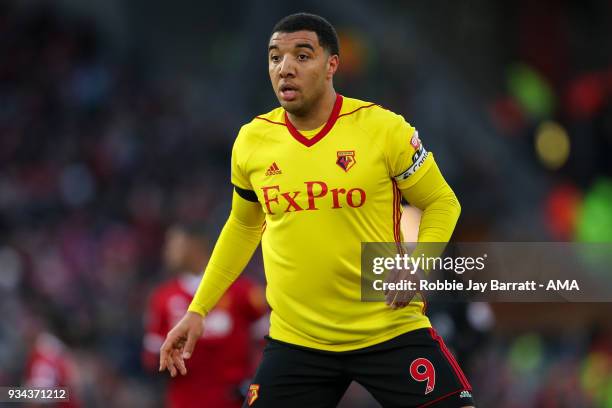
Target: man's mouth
{"x":288,"y":92}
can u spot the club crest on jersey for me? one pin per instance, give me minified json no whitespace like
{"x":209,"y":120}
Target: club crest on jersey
{"x":253,"y":394}
{"x":346,"y":159}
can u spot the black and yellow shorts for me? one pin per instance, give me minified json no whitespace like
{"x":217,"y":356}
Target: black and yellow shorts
{"x":412,"y":370}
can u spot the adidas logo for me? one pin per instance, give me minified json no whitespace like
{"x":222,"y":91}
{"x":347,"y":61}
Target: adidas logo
{"x":465,"y":394}
{"x":273,"y":169}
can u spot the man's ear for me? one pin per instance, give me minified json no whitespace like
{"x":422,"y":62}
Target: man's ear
{"x":332,"y":65}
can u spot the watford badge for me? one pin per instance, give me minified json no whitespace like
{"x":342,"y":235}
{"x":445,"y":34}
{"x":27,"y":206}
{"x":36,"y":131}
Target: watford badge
{"x":346,"y":159}
{"x":253,"y":394}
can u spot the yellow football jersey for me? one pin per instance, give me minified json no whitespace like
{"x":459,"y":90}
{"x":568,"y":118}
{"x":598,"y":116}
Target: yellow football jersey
{"x":324,"y":192}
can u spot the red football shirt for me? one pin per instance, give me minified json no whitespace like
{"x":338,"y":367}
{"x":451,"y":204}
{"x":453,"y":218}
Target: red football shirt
{"x":223,"y":356}
{"x":49,"y":365}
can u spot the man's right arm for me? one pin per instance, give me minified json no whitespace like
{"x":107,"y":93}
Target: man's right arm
{"x":233,"y":250}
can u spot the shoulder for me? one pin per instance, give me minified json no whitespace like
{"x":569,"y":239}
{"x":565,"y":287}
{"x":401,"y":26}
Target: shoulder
{"x":253,"y":132}
{"x":261,"y":124}
{"x":369,"y":115}
{"x":265,"y":121}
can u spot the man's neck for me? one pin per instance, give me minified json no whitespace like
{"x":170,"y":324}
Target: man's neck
{"x":317,"y":116}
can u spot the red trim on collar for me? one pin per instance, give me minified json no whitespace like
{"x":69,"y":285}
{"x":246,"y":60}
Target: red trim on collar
{"x":328,"y":126}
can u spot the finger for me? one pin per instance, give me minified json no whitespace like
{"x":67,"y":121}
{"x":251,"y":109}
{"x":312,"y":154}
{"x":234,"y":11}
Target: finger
{"x":391,"y":277}
{"x":192,"y":338}
{"x":163,"y":355}
{"x":162,"y":363}
{"x":170,"y":365}
{"x":404,"y":296}
{"x":181,"y":366}
{"x":177,"y":359}
{"x":399,"y":299}
{"x":399,"y":305}
{"x":391,"y":297}
{"x":396,"y":301}
{"x":408,"y":298}
{"x":166,"y":349}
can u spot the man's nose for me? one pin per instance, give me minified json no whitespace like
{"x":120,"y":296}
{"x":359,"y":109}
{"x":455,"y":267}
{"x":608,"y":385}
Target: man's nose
{"x":287,"y":68}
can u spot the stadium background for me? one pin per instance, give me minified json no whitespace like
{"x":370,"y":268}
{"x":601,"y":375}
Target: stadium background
{"x":117,"y":118}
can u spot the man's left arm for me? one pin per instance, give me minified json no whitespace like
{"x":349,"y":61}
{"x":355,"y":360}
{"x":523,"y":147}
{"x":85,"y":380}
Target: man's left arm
{"x":417,"y":176}
{"x":441,"y":209}
{"x":432,"y":194}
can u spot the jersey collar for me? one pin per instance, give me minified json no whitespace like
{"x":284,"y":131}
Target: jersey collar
{"x":324,"y":131}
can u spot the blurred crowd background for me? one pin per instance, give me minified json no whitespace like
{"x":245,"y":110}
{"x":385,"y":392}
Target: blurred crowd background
{"x":117,"y":120}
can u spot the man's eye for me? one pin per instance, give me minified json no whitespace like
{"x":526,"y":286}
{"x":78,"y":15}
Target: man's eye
{"x":274,"y":58}
{"x":302,"y":57}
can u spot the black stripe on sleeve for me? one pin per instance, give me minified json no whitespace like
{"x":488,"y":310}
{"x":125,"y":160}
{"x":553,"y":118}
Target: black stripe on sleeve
{"x":248,"y":195}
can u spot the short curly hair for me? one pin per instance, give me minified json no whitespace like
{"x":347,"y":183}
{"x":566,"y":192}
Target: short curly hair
{"x":328,"y":38}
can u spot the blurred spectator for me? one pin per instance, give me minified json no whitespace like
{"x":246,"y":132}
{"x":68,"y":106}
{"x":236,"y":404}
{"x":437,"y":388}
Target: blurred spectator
{"x":222,"y":361}
{"x":50,"y":365}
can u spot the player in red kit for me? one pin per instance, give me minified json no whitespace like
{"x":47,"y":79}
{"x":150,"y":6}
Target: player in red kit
{"x":50,"y":365}
{"x":224,"y":357}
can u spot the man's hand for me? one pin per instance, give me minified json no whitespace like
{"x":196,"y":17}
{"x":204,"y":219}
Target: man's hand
{"x":180,"y":342}
{"x":397,"y":299}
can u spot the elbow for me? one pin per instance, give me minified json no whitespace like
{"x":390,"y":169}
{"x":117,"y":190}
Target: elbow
{"x":456,"y":205}
{"x":453,"y":205}
{"x":450,"y":203}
